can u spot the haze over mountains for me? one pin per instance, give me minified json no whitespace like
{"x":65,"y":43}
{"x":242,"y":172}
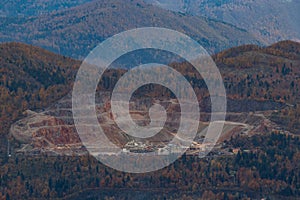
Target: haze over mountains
{"x":269,"y":20}
{"x":14,"y":8}
{"x":77,"y":30}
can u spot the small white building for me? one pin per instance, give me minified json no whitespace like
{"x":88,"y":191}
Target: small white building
{"x":163,"y":151}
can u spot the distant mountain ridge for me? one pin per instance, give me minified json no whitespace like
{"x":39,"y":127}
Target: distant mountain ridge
{"x":76,"y":31}
{"x":14,"y":8}
{"x":269,"y":20}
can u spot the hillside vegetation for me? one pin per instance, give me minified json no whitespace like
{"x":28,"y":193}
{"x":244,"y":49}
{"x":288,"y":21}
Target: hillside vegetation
{"x":31,"y":78}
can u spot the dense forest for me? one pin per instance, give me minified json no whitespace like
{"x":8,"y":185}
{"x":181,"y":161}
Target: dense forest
{"x":269,"y":169}
{"x":31,"y":78}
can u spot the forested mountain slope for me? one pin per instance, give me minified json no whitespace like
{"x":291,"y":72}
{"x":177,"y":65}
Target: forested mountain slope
{"x":76,"y":31}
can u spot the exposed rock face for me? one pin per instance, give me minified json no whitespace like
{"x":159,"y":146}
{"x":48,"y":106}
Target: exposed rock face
{"x":53,"y":131}
{"x":42,"y":131}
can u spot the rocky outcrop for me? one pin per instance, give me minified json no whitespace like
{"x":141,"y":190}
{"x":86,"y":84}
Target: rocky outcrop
{"x":53,"y":130}
{"x":42,"y":131}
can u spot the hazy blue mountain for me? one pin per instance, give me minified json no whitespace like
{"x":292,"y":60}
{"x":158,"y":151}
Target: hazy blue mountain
{"x":269,"y":20}
{"x":12,"y":8}
{"x":77,"y":30}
